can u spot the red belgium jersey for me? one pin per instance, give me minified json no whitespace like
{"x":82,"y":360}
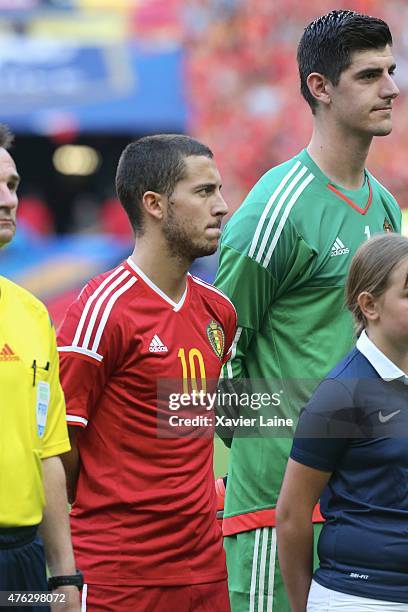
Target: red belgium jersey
{"x":145,"y":507}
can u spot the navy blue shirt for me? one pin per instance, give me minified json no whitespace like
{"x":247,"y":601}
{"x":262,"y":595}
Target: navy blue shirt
{"x":356,"y":426}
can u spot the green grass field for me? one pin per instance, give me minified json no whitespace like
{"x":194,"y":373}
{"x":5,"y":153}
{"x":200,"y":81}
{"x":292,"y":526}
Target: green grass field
{"x":220,"y":450}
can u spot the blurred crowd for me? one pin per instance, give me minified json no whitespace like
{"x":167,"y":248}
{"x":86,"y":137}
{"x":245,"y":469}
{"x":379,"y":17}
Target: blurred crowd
{"x":243,"y":86}
{"x":89,"y":216}
{"x":243,"y":95}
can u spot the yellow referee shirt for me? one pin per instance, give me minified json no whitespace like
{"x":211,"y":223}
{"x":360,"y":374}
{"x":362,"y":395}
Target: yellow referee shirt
{"x":32,"y":407}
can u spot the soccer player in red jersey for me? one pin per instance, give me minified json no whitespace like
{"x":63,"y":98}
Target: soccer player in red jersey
{"x":144,"y":505}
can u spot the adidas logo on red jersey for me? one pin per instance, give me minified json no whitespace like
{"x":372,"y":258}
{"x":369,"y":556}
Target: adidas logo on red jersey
{"x":6,"y":354}
{"x":157,"y":346}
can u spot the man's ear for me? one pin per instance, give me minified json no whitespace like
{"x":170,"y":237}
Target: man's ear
{"x":368,"y":306}
{"x":153,"y":204}
{"x":320,"y":87}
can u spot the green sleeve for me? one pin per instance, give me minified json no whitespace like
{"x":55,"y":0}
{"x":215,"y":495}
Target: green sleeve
{"x":253,"y":286}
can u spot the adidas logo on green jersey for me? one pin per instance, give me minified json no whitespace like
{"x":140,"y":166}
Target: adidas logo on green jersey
{"x":339,"y":248}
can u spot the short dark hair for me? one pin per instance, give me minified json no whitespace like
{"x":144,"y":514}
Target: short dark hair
{"x":153,"y":163}
{"x":6,"y":136}
{"x":328,"y":42}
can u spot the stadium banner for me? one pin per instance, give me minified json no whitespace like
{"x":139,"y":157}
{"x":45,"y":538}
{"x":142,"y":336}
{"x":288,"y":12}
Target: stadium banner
{"x":51,"y":86}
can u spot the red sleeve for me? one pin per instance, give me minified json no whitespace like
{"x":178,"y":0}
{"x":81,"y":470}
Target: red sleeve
{"x":230,"y":331}
{"x":89,"y":348}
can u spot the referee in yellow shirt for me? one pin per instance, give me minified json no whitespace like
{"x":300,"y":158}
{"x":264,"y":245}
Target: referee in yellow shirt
{"x":33,"y":434}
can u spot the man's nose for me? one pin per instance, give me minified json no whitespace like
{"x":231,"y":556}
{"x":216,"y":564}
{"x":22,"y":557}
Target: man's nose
{"x":390,"y":89}
{"x":221,"y":207}
{"x":8,"y":198}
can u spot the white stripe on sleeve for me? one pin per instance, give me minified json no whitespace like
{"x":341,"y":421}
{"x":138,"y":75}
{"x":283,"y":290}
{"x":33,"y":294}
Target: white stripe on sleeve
{"x":276,"y":212}
{"x":89,"y":303}
{"x":76,"y":419}
{"x":108,"y":309}
{"x":98,"y":306}
{"x":233,"y":352}
{"x":81,"y":351}
{"x":284,"y":217}
{"x":268,"y":207}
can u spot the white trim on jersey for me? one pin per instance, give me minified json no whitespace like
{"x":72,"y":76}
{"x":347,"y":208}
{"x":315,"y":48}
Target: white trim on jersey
{"x":98,"y":306}
{"x":268,"y":207}
{"x":233,"y":352}
{"x":276,"y":212}
{"x":176,"y":305}
{"x":108,"y":288}
{"x":183,"y":299}
{"x":284,"y":217}
{"x":199,"y":281}
{"x":271,"y":576}
{"x":81,"y":351}
{"x":108,"y":309}
{"x":76,"y":419}
{"x":262,"y":567}
{"x":258,"y":576}
{"x":83,"y":597}
{"x":372,"y":178}
{"x":253,"y":576}
{"x":287,"y":200}
{"x":90,"y":301}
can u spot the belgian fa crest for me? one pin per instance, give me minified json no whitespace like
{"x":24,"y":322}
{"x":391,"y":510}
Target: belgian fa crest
{"x":215,"y":335}
{"x":387,"y":227}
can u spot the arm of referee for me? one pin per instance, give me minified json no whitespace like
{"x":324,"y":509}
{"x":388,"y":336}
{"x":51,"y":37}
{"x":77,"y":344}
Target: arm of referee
{"x":55,"y":530}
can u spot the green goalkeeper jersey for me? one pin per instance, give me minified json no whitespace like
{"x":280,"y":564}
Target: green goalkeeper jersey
{"x":285,"y":255}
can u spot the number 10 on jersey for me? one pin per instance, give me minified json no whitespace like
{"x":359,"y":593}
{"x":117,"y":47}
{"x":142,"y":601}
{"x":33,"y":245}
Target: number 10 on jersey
{"x":190,"y":365}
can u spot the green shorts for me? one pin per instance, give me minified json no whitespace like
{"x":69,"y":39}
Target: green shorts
{"x":254,"y":579}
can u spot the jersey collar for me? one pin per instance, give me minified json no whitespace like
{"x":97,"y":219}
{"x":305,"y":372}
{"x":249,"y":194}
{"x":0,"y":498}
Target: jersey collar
{"x":386,"y":369}
{"x":347,"y":195}
{"x":176,"y":305}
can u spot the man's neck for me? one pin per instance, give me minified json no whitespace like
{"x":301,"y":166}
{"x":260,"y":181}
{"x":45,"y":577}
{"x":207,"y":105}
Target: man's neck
{"x":341,"y":157}
{"x":166,"y":271}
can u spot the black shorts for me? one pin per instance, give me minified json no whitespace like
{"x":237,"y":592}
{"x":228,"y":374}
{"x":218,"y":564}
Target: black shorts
{"x":22,"y":563}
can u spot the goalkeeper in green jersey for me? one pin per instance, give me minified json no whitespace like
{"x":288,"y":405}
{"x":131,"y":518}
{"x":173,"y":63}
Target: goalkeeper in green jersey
{"x":284,"y":259}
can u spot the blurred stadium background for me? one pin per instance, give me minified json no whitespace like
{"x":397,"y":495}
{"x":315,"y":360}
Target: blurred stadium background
{"x":81,"y":78}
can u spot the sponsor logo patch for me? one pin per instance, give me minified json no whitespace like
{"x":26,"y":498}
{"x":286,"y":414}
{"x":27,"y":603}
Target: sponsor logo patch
{"x":43,"y":400}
